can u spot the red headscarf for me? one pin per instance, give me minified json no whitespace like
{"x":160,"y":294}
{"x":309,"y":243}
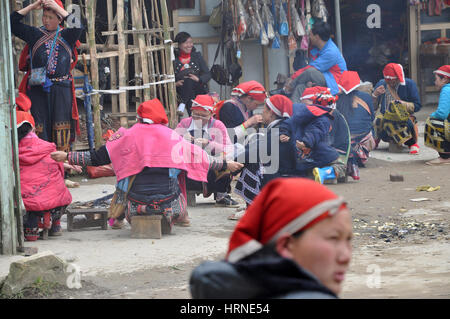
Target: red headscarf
{"x":203,"y":102}
{"x":284,"y":206}
{"x":320,"y":96}
{"x":280,"y":105}
{"x":152,"y":112}
{"x":394,"y":71}
{"x":349,"y":81}
{"x":251,"y":88}
{"x":23,"y":102}
{"x":59,"y":3}
{"x":444,"y":71}
{"x":24,"y":117}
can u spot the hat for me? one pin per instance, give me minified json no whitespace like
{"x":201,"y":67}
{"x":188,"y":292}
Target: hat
{"x":349,"y":81}
{"x":203,"y":102}
{"x":394,"y":71}
{"x":252,"y":88}
{"x":320,"y":96}
{"x":152,"y":112}
{"x":23,"y":102}
{"x":284,"y":206}
{"x":280,"y":105}
{"x":443,"y":70}
{"x":24,"y":117}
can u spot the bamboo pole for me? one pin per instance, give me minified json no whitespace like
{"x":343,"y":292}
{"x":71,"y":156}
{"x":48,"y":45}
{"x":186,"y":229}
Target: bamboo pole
{"x":157,"y":55}
{"x":137,"y":57}
{"x":9,"y":171}
{"x":137,"y":13}
{"x":112,"y":60}
{"x":121,"y":66}
{"x":173,"y":118}
{"x":90,"y":17}
{"x":151,"y":55}
{"x":163,"y":69}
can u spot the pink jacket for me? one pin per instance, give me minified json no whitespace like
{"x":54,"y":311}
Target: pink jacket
{"x":219,"y":139}
{"x":155,"y":145}
{"x":41,"y":178}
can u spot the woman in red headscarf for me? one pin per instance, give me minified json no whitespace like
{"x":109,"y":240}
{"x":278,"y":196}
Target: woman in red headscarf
{"x":234,"y":113}
{"x":51,"y":48}
{"x":437,"y":127}
{"x":264,"y":158}
{"x":150,"y":161}
{"x":357,"y":108}
{"x":398,"y":99}
{"x":293,"y":242}
{"x":210,"y":134}
{"x":43,"y":190}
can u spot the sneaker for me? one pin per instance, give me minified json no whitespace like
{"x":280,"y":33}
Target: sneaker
{"x":227,"y":201}
{"x":414,"y":149}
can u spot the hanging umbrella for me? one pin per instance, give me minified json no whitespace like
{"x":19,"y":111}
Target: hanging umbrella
{"x":87,"y":89}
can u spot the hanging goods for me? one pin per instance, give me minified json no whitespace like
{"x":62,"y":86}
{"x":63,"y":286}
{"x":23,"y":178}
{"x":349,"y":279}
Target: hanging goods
{"x":263,"y":35}
{"x":297,"y":25}
{"x":304,"y":45}
{"x":319,"y":10}
{"x":268,"y":21}
{"x":284,"y":25}
{"x":242,"y":27}
{"x":254,"y":28}
{"x":292,"y":42}
{"x":215,"y":19}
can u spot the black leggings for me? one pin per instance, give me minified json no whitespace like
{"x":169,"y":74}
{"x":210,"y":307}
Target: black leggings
{"x":189,"y":91}
{"x":444,"y":155}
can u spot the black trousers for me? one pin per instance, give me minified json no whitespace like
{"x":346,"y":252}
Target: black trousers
{"x":188,"y":91}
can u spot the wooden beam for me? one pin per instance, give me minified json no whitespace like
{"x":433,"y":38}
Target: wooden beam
{"x":137,"y":31}
{"x":206,"y":40}
{"x":122,"y":58}
{"x":104,"y":55}
{"x":90,"y":17}
{"x":112,"y":60}
{"x":190,"y":19}
{"x":203,"y":8}
{"x":434,"y":26}
{"x":265,"y":55}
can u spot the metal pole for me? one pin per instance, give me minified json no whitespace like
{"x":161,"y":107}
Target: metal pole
{"x":337,"y":12}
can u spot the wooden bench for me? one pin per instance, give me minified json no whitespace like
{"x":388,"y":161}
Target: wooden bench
{"x":90,"y":215}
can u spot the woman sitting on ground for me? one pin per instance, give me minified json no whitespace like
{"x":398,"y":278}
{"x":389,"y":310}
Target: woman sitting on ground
{"x":437,"y":128}
{"x":210,"y":134}
{"x":357,"y":108}
{"x":398,"y":99}
{"x":42,"y":186}
{"x":150,"y":161}
{"x":307,"y":132}
{"x":294,"y":242}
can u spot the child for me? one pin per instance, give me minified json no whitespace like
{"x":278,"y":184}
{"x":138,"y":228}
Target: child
{"x":43,"y":190}
{"x":310,"y":127}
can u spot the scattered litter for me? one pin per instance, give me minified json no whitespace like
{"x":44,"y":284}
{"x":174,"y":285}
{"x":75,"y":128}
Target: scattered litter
{"x":422,"y":199}
{"x":84,"y":180}
{"x":427,"y":188}
{"x":402,"y":210}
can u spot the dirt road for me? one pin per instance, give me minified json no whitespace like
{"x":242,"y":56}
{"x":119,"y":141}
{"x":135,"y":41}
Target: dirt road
{"x":401,"y":247}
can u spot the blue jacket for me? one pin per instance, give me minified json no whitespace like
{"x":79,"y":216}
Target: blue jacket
{"x":330,"y":62}
{"x":407,"y":93}
{"x":443,"y":110}
{"x":310,"y":125}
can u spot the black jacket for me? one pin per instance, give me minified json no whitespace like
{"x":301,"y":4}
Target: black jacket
{"x":197,"y":65}
{"x":269,"y":276}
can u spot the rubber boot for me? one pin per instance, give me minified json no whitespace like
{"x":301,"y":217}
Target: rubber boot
{"x":323,"y":174}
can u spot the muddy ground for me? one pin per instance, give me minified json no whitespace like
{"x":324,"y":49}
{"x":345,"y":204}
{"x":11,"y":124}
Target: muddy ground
{"x":401,"y":248}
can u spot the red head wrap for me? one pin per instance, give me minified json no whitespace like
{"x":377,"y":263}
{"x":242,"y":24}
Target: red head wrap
{"x":203,"y":102}
{"x":284,"y":206}
{"x":23,"y":102}
{"x":280,"y":105}
{"x":394,"y":71}
{"x":251,"y":88}
{"x":24,"y":117}
{"x":320,"y":96}
{"x":152,"y":112}
{"x":444,"y":71}
{"x":349,"y":81}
